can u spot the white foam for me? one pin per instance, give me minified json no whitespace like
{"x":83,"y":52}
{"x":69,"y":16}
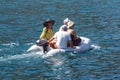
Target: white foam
{"x":10,"y":44}
{"x":25,"y":55}
{"x":1,"y":49}
{"x":95,"y":46}
{"x":29,"y":43}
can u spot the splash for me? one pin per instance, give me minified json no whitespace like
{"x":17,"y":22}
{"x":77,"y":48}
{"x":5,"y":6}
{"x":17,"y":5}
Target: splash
{"x":94,"y":46}
{"x":29,"y":44}
{"x":57,"y":60}
{"x":10,"y":44}
{"x":1,"y":49}
{"x":20,"y":56}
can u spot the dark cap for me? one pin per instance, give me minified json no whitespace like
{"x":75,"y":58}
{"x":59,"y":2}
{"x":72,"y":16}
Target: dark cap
{"x":64,"y":27}
{"x":48,"y":21}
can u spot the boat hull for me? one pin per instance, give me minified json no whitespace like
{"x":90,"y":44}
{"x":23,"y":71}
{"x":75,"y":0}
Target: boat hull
{"x":82,"y":47}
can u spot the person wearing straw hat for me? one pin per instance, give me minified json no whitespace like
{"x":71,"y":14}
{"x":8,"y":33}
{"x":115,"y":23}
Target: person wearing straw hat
{"x":48,"y":31}
{"x":75,"y":39}
{"x":46,"y":34}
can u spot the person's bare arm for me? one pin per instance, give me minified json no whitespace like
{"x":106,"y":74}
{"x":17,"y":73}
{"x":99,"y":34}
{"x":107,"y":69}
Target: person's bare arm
{"x":50,"y":39}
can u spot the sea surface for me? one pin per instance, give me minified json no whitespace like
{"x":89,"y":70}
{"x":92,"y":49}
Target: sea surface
{"x":21,"y":23}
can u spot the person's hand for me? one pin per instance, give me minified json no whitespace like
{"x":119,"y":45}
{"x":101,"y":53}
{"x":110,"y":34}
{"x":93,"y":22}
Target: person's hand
{"x":74,"y":47}
{"x":48,"y":41}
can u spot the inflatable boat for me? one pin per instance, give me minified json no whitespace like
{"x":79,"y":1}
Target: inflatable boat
{"x":85,"y":45}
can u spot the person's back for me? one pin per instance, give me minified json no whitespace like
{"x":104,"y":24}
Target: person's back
{"x":75,"y":39}
{"x":62,"y":39}
{"x":47,"y":32}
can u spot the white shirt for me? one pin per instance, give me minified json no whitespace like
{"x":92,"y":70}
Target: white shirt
{"x":62,"y":39}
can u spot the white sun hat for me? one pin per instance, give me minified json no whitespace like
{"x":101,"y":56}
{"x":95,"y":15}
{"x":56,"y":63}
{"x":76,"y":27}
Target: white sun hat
{"x":66,"y":20}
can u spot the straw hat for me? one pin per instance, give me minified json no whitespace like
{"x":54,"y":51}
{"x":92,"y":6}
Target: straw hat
{"x":48,"y":21}
{"x":71,"y":24}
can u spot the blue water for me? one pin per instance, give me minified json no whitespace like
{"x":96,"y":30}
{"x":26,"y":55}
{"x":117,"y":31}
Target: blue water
{"x":21,"y":24}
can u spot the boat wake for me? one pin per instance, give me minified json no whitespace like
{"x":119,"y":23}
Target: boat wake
{"x":20,"y":56}
{"x":96,"y":47}
{"x":36,"y":58}
{"x":25,"y":55}
{"x":35,"y":54}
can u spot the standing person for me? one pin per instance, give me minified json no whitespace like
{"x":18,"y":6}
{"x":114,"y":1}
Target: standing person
{"x":75,"y":39}
{"x":65,"y":22}
{"x":62,"y":39}
{"x":48,"y":31}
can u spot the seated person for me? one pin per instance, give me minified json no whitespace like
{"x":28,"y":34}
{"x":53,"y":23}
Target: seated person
{"x":46,"y":34}
{"x":75,"y":39}
{"x":48,"y":31}
{"x":60,"y":39}
{"x":65,"y":22}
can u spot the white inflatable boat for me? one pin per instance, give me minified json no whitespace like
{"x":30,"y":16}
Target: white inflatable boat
{"x":85,"y":45}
